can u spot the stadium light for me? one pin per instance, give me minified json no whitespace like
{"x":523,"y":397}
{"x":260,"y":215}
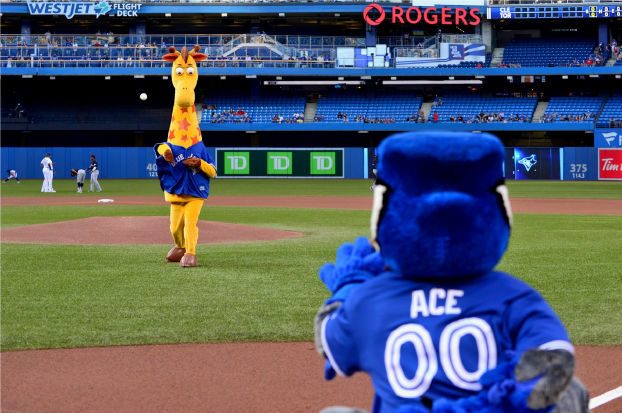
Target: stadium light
{"x":340,"y":78}
{"x":366,"y":77}
{"x":564,"y":77}
{"x":618,"y":76}
{"x":594,"y":76}
{"x":223,"y":77}
{"x":281,"y":14}
{"x":337,"y":15}
{"x":393,"y":78}
{"x":223,"y":14}
{"x":363,"y":131}
{"x":432,"y":82}
{"x":139,"y":76}
{"x":107,"y":78}
{"x":26,"y":76}
{"x":165,"y":77}
{"x":251,"y":131}
{"x":251,"y":76}
{"x":279,"y":78}
{"x":52,"y":77}
{"x":167,"y":14}
{"x":452,"y":78}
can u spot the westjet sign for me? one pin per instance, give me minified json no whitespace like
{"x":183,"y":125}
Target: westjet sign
{"x":82,"y":8}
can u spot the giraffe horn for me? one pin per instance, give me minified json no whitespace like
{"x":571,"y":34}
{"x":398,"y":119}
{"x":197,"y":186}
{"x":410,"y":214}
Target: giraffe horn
{"x":195,"y":49}
{"x":184,"y":54}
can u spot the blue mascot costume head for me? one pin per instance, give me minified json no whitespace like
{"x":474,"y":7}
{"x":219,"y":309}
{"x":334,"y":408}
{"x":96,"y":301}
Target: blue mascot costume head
{"x":420,"y":309}
{"x":441,"y":206}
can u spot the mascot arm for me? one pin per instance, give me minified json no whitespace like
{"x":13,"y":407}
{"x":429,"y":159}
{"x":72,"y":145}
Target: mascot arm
{"x":162,"y":149}
{"x":208,"y":169}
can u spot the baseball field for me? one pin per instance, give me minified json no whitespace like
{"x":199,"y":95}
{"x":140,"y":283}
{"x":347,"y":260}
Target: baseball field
{"x":93,"y":319}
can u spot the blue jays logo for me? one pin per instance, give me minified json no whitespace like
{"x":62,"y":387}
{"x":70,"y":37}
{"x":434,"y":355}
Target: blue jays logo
{"x":528,"y":162}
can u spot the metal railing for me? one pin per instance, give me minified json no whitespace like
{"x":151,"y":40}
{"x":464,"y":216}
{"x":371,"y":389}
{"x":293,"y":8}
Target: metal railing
{"x":541,"y":2}
{"x":123,"y":64}
{"x":164,"y":41}
{"x":403,"y":52}
{"x":228,"y":1}
{"x":461,"y":38}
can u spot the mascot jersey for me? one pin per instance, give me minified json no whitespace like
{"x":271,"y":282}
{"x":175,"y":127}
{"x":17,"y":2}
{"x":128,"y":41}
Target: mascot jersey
{"x":437,"y":337}
{"x":177,"y":178}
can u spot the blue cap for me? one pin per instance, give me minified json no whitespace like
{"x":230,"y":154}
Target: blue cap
{"x":48,"y":154}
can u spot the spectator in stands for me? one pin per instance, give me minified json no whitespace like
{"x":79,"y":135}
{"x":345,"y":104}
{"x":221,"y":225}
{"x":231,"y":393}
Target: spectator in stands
{"x":551,"y":64}
{"x":435,"y":117}
{"x":339,"y":116}
{"x":612,"y":122}
{"x":618,"y":122}
{"x":435,"y":103}
{"x":479,"y":65}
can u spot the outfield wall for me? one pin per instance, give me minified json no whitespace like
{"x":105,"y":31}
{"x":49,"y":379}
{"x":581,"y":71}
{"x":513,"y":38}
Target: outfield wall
{"x":589,"y":164}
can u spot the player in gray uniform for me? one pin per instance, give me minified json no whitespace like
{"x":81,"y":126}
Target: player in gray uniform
{"x":94,"y":168}
{"x":81,"y":174}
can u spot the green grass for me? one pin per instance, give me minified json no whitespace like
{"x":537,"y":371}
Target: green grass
{"x":79,"y":295}
{"x":305,"y":187}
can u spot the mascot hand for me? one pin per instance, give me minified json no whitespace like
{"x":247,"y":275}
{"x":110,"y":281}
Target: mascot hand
{"x":168,"y":156}
{"x":192,"y":162}
{"x":356,"y":263}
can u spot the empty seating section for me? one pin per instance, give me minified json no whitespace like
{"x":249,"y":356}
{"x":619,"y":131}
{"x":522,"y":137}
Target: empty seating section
{"x":395,"y":105}
{"x":260,"y":111}
{"x":612,"y":109}
{"x":471,"y":106}
{"x":541,"y":52}
{"x":574,"y":106}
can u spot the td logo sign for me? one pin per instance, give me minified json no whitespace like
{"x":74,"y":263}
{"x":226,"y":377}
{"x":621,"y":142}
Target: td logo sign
{"x":322,"y":163}
{"x":279,"y":163}
{"x":237,"y":163}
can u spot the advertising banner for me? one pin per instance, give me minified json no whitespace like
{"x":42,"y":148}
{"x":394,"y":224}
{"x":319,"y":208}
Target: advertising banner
{"x":608,"y":138}
{"x":535,"y":163}
{"x":580,"y":164}
{"x":280,"y":163}
{"x":610,"y":164}
{"x":84,"y":8}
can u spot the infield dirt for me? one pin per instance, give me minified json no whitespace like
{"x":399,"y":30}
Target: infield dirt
{"x":227,"y":377}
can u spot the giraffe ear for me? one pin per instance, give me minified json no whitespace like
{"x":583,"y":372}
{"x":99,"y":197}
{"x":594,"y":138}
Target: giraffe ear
{"x":199,"y":56}
{"x":171,"y":57}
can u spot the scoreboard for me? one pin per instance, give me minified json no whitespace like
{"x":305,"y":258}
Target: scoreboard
{"x":554,"y":12}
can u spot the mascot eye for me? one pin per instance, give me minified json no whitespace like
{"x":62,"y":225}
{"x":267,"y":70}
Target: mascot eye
{"x":179,"y":71}
{"x":190,"y":70}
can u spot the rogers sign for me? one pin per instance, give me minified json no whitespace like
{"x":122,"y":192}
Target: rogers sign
{"x":414,"y":15}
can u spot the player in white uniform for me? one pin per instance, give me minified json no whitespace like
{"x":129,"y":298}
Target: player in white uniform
{"x":80,"y":174}
{"x":12,"y":175}
{"x":48,"y":173}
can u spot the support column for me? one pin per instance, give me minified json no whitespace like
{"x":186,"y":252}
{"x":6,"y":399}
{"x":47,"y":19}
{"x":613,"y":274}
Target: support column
{"x":370,"y":35}
{"x":486,"y":32}
{"x":603,"y":32}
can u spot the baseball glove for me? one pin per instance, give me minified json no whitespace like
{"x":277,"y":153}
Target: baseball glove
{"x":74,"y":172}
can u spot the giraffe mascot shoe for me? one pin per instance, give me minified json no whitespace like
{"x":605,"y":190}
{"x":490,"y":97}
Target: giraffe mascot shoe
{"x":184,"y":166}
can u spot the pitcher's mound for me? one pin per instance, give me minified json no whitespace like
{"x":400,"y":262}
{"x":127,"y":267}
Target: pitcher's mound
{"x":135,"y":230}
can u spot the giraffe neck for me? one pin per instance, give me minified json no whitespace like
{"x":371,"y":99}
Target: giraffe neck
{"x":184,"y":130}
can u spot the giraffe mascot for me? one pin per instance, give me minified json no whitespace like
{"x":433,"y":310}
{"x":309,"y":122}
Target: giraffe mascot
{"x":184,"y":166}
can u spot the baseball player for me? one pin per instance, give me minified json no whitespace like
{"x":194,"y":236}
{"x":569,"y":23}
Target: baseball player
{"x":48,"y":173}
{"x":12,"y":175}
{"x":81,"y":174}
{"x":94,"y":168}
{"x":374,"y":164}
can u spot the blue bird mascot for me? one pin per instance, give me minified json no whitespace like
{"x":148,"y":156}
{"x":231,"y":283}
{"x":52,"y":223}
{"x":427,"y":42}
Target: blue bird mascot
{"x":419,"y":307}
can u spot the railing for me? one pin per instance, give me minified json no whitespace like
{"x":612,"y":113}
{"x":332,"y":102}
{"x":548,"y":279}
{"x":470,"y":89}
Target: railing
{"x":99,"y":63}
{"x":164,"y":40}
{"x":403,"y":52}
{"x":540,"y":2}
{"x":461,"y":38}
{"x":229,"y":1}
{"x":411,"y":41}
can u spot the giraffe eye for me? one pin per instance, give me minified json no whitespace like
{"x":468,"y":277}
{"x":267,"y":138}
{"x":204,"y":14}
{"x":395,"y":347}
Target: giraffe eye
{"x":179,"y":71}
{"x":190,"y":70}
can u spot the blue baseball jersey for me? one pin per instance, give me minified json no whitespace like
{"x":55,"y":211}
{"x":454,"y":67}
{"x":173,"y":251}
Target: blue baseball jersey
{"x":177,"y":178}
{"x":435,"y":338}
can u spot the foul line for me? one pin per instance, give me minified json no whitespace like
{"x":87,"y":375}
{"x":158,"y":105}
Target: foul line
{"x":606,"y":398}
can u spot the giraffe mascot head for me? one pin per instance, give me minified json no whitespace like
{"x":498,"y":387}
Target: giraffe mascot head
{"x":184,"y":129}
{"x":184,"y":165}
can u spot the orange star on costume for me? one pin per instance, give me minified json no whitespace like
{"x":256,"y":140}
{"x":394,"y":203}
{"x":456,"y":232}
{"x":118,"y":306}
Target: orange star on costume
{"x":184,"y":125}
